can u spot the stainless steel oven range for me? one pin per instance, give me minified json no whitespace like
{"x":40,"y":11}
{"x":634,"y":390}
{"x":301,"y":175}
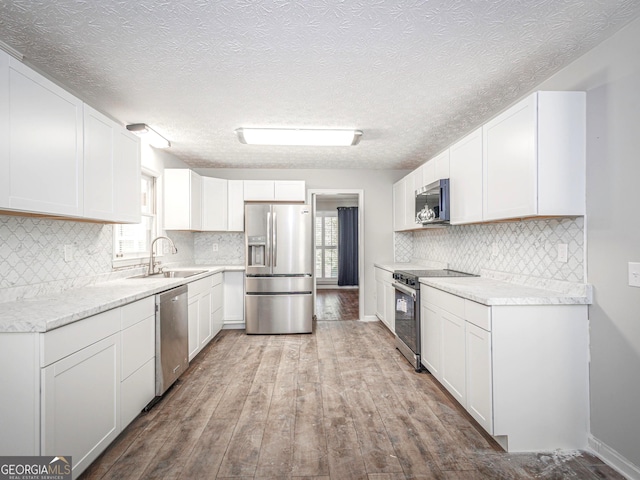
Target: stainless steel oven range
{"x":407,"y":308}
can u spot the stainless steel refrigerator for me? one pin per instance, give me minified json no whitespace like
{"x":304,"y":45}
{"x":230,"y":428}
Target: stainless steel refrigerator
{"x":279,"y":268}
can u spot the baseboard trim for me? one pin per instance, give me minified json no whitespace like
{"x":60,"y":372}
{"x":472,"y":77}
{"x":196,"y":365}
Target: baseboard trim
{"x":233,"y":325}
{"x":370,"y":318}
{"x":613,"y":458}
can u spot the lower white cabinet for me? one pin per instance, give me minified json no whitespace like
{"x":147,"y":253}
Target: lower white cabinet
{"x":478,"y":370}
{"x":233,"y":300}
{"x":80,"y":402}
{"x":521,"y":371}
{"x":385,"y":298}
{"x":204,"y":311}
{"x":76,"y":387}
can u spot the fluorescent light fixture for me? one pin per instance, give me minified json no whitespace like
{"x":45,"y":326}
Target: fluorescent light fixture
{"x":299,"y":137}
{"x":149,"y":135}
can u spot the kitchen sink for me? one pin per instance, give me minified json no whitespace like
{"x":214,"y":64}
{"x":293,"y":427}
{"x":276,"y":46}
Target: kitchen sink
{"x":172,"y":274}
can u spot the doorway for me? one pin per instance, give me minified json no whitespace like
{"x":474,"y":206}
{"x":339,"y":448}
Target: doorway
{"x":338,"y":250}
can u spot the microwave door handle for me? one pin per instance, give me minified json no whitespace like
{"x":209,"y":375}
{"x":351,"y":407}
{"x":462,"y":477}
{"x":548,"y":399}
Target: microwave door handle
{"x":275,"y":239}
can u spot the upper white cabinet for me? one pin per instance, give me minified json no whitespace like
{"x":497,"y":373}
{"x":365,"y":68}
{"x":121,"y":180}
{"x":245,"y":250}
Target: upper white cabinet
{"x":111,"y":170}
{"x":436,"y":168}
{"x":235,"y":205}
{"x":182,"y":199}
{"x":534,"y":158}
{"x":399,"y":205}
{"x":214,"y":204}
{"x":41,"y":158}
{"x":465,"y":182}
{"x":274,"y":190}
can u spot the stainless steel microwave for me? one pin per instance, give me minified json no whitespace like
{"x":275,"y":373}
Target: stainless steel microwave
{"x":432,"y":203}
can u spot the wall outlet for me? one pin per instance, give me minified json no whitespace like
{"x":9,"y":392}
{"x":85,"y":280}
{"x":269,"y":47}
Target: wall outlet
{"x":563,"y":252}
{"x":214,"y":247}
{"x":634,"y":274}
{"x":68,"y":253}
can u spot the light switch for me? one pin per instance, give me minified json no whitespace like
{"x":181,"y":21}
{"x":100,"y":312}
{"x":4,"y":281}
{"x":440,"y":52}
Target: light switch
{"x":634,"y":274}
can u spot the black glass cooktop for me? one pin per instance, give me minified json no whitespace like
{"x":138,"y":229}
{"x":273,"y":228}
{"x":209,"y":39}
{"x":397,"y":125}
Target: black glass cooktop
{"x":410,"y":277}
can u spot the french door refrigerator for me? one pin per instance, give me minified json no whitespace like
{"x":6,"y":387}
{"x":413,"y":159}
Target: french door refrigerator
{"x":278,"y":268}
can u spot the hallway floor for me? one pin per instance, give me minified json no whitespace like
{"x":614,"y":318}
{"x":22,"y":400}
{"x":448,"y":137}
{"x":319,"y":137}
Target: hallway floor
{"x":340,"y":404}
{"x":337,"y":304}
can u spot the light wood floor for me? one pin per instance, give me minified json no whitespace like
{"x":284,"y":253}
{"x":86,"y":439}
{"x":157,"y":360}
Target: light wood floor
{"x":337,"y":304}
{"x":340,"y":403}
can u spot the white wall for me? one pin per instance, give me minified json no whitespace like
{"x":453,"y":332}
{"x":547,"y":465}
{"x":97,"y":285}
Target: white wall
{"x":378,"y":208}
{"x":610,"y":74}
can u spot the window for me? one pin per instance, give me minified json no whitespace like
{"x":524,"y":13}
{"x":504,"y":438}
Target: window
{"x":131,"y":241}
{"x":327,"y":247}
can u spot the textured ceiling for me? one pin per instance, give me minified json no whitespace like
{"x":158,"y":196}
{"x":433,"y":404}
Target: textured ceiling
{"x":414,"y":75}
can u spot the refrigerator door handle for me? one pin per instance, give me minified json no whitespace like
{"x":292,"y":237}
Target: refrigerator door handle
{"x":275,"y":239}
{"x":269,"y":245}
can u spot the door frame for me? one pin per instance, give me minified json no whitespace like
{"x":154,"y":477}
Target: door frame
{"x":311,"y":199}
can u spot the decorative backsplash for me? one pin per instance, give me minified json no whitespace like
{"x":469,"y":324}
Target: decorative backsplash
{"x":528,"y":247}
{"x":230,"y":248}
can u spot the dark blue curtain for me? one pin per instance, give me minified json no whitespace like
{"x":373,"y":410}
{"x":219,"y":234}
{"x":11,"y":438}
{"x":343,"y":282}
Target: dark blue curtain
{"x":347,"y":246}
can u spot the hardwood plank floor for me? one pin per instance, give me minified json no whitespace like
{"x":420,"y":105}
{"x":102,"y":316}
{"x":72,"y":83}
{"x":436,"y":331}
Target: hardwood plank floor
{"x":334,"y":304}
{"x":340,"y":403}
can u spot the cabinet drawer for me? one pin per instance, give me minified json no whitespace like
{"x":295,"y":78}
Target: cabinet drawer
{"x":446,"y":301}
{"x":138,"y":345}
{"x":61,"y":342}
{"x":199,"y":286}
{"x":383,"y":275}
{"x":135,"y":312}
{"x":216,"y":279}
{"x":478,"y":314}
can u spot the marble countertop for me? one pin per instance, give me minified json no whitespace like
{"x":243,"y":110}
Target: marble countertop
{"x":496,"y":288}
{"x":393,"y":267}
{"x":45,"y":313}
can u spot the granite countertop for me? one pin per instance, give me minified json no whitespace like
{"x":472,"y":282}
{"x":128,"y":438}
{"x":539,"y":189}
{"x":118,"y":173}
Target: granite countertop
{"x":41,"y":314}
{"x":496,"y":288}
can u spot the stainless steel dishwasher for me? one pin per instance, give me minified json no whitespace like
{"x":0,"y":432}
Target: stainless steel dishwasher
{"x":172,"y":337}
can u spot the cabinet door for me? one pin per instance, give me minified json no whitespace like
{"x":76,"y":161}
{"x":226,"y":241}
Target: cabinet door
{"x":399,"y":206}
{"x":80,"y":403}
{"x":380,"y":300}
{"x":205,"y":320}
{"x":214,"y":204}
{"x":182,"y":199}
{"x":289,"y":190}
{"x":217,"y":300}
{"x":192,"y":313}
{"x":410,"y":202}
{"x":259,"y":190}
{"x":42,"y":168}
{"x":126,"y":163}
{"x":99,"y":168}
{"x":442,"y":165}
{"x":479,"y":381}
{"x":431,"y":338}
{"x":510,"y":182}
{"x":453,"y":355}
{"x":235,"y":204}
{"x":390,"y":309}
{"x":195,"y":183}
{"x":429,"y":172}
{"x":466,"y":179}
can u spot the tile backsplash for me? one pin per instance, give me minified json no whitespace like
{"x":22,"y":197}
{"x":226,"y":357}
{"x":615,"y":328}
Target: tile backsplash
{"x":230,"y":248}
{"x":528,"y":247}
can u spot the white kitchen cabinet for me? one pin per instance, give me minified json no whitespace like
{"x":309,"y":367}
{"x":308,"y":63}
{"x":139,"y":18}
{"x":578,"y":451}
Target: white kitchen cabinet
{"x":111,"y":170}
{"x":235,"y":204}
{"x":412,"y":181}
{"x":399,"y":205}
{"x":274,"y":190}
{"x":233,"y":299}
{"x":137,"y":387}
{"x":465,"y":182}
{"x":453,"y":355}
{"x":436,"y":168}
{"x":199,"y":313}
{"x":478,"y":373}
{"x":41,"y":161}
{"x":217,"y":304}
{"x":215,"y":204}
{"x":431,"y":338}
{"x":80,"y":402}
{"x":524,"y":367}
{"x":385,"y":292}
{"x":182,"y":199}
{"x":534,"y":158}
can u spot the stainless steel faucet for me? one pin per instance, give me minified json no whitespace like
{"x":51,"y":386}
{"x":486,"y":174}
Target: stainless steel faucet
{"x":152,"y":266}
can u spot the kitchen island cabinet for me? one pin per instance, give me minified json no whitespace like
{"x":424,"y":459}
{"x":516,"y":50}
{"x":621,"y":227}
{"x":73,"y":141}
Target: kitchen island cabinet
{"x":521,"y":370}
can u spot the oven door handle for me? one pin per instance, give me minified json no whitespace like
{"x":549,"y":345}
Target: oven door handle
{"x":406,"y":290}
